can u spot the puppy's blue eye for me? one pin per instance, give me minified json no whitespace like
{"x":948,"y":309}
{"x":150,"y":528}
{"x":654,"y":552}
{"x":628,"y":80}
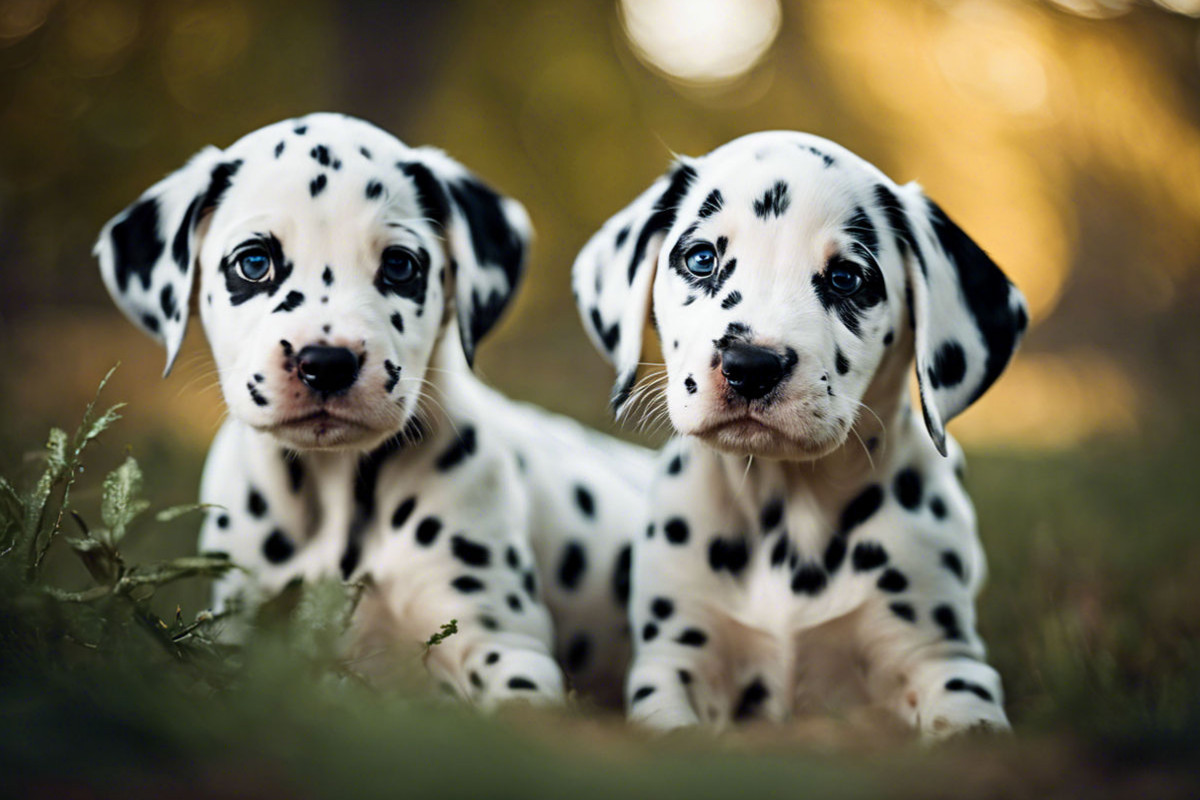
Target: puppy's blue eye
{"x":844,"y":279}
{"x":702,"y":260}
{"x":398,"y":267}
{"x":254,"y":264}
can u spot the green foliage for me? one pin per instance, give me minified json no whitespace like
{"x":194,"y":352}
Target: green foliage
{"x":1087,"y":615}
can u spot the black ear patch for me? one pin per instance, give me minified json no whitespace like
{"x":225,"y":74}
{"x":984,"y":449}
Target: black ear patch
{"x":430,"y":194}
{"x":663,"y":215}
{"x":136,"y":244}
{"x":987,"y":293}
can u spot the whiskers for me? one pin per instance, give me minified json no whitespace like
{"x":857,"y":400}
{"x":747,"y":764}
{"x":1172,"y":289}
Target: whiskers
{"x":647,"y":403}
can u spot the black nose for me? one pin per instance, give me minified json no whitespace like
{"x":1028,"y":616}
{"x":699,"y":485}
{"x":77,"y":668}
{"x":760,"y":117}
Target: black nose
{"x":751,"y":371}
{"x":327,"y":369}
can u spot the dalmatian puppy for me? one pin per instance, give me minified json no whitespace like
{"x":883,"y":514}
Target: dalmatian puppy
{"x":343,"y":280}
{"x":811,"y":544}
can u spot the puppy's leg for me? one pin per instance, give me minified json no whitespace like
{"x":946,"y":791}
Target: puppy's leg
{"x":686,"y":571}
{"x":928,"y":665}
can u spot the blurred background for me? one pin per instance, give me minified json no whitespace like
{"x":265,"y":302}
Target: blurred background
{"x":1064,"y":135}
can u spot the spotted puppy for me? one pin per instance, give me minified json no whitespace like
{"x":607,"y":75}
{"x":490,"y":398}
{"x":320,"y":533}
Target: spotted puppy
{"x":343,"y":280}
{"x":811,"y":543}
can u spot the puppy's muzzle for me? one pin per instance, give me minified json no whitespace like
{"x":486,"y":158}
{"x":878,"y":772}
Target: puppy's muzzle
{"x":750,"y":370}
{"x":327,"y":370}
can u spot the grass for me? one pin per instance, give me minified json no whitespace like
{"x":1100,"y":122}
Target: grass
{"x":1092,"y":613}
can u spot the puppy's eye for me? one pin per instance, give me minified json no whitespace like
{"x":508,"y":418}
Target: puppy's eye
{"x":844,"y":278}
{"x":254,"y":264}
{"x":398,"y":267}
{"x":702,"y":260}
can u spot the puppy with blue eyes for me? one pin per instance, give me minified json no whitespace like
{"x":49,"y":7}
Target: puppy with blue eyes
{"x":343,"y":280}
{"x":811,"y":544}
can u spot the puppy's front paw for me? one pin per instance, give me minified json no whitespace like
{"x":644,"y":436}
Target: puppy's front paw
{"x":957,"y":715}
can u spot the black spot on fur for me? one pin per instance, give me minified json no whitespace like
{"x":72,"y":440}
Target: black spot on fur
{"x":374,"y":189}
{"x":952,"y":562}
{"x":279,"y":148}
{"x":290,"y":303}
{"x":861,"y":508}
{"x":685,"y":677}
{"x":393,"y":373}
{"x":892,"y":580}
{"x":514,"y":603}
{"x":223,"y":521}
{"x":693,"y":637}
{"x":256,"y":504}
{"x":327,"y":276}
{"x":662,"y":607}
{"x":938,"y":507}
{"x":960,"y":685}
{"x":676,"y":530}
{"x":835,"y":554}
{"x":277,"y":547}
{"x":403,"y":512}
{"x":642,"y":692}
{"x":689,"y":384}
{"x":572,"y":565}
{"x":771,"y":515}
{"x":752,"y":697}
{"x":907,"y":487}
{"x":457,"y":452}
{"x":904,"y":611}
{"x":649,"y":632}
{"x":774,"y":202}
{"x":675,"y":465}
{"x":610,"y":337}
{"x":585,"y":501}
{"x":166,"y":301}
{"x":255,"y":395}
{"x":620,"y":579}
{"x":949,"y":366}
{"x":731,"y":300}
{"x":730,"y":555}
{"x":779,"y":551}
{"x":467,"y":584}
{"x":809,"y":579}
{"x":868,"y":556}
{"x":317,"y":185}
{"x":428,"y":530}
{"x":470,"y":553}
{"x":841,"y":363}
{"x":947,"y":620}
{"x":521,"y":684}
{"x":397,"y":322}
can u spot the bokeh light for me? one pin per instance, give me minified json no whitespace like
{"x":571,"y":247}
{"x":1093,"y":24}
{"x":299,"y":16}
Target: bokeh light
{"x":701,"y":41}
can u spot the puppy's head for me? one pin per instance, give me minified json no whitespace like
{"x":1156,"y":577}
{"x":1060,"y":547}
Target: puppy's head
{"x":326,"y":255}
{"x":783,"y":274}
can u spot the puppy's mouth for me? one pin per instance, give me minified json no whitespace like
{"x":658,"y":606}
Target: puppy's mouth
{"x":749,"y":434}
{"x":322,"y":429}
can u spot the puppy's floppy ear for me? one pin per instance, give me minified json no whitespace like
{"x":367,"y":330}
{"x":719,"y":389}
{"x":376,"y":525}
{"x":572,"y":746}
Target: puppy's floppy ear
{"x":967,"y":316}
{"x":148,"y":252}
{"x":487,"y":239}
{"x":613,"y":275}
